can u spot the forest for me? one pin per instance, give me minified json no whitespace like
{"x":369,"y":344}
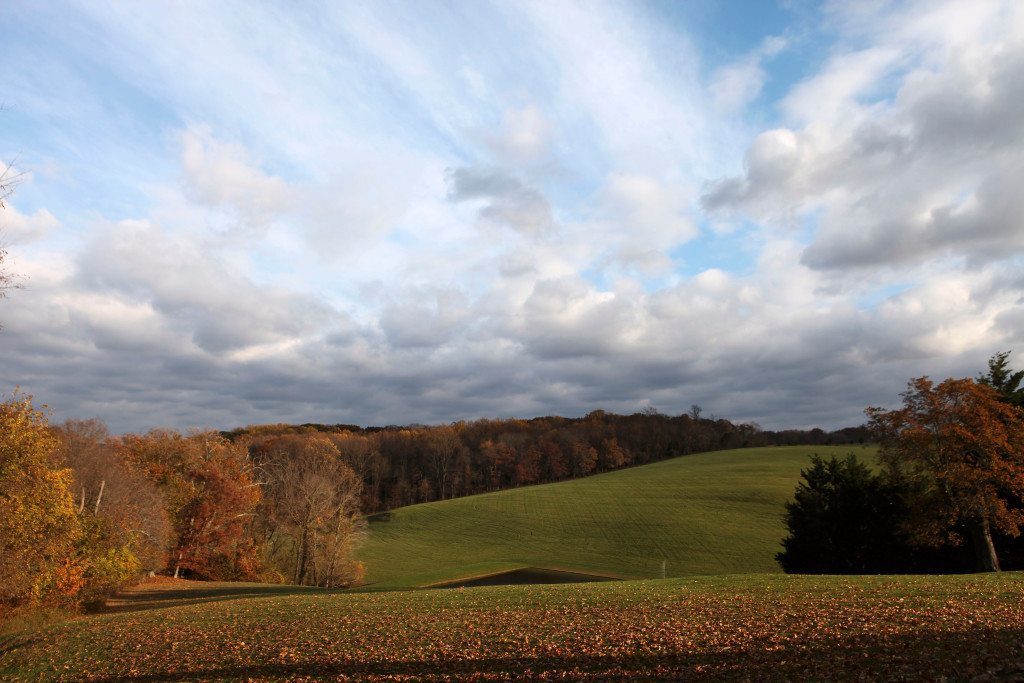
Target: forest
{"x":403,"y":465}
{"x":86,"y":512}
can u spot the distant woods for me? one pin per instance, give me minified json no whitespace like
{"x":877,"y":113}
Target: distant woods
{"x":416,"y":464}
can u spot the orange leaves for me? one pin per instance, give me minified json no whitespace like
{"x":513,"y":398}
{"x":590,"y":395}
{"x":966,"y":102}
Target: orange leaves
{"x":209,"y":490}
{"x":964,"y":449}
{"x":783,"y":628}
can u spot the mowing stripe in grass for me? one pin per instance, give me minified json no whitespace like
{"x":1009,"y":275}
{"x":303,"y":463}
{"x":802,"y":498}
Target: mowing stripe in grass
{"x":710,"y":513}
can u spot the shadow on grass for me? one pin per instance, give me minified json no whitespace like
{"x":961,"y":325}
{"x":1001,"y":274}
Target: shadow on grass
{"x":993,"y":654}
{"x":523,"y":577}
{"x":146,"y":599}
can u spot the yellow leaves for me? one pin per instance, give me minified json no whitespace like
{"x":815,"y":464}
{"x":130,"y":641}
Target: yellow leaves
{"x":38,"y":524}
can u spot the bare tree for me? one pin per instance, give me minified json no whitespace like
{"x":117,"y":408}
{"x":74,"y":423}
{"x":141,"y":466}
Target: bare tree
{"x":442,"y":447}
{"x":114,"y":491}
{"x":9,"y":179}
{"x":313,"y":498}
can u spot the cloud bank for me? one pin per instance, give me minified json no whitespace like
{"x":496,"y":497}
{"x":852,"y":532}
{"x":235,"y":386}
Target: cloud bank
{"x":370,"y":214}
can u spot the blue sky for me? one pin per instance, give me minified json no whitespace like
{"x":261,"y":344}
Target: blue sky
{"x":423,"y":212}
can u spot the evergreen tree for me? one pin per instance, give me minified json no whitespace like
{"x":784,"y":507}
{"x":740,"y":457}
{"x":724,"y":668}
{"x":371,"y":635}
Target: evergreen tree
{"x":1006,"y":382}
{"x":843,"y":521}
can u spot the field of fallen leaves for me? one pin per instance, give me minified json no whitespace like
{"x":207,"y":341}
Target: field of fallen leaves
{"x":758,"y":627}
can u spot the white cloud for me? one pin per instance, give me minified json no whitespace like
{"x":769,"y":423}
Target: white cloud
{"x":651,"y":210}
{"x":395,"y":213}
{"x":737,"y":84}
{"x":224,"y":174}
{"x":525,"y":135}
{"x":835,"y":94}
{"x":920,"y":172}
{"x":17,"y":229}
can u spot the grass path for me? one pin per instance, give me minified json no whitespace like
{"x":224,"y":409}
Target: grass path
{"x":760,"y":627}
{"x":711,"y":513}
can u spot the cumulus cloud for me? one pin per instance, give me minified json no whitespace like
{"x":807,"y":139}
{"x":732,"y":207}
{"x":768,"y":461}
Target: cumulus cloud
{"x":16,"y":228}
{"x":422,"y":322}
{"x":646,"y":218}
{"x":190,"y":287}
{"x":652,"y":211}
{"x":903,"y":153}
{"x":309,"y":247}
{"x":506,"y":200}
{"x":984,"y":226}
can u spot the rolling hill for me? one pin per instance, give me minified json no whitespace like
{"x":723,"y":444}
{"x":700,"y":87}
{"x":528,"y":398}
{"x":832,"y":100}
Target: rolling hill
{"x":710,"y":513}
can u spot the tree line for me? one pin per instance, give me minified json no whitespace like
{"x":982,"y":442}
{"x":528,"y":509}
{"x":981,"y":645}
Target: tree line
{"x":417,"y":464}
{"x":948,"y":489}
{"x":82,"y":512}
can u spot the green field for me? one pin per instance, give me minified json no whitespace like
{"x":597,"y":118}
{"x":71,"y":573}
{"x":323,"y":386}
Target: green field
{"x":711,"y":513}
{"x":753,"y":627}
{"x":716,"y":513}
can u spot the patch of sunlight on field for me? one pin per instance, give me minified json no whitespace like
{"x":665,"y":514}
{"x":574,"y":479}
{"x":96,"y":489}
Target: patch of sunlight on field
{"x":709,"y":513}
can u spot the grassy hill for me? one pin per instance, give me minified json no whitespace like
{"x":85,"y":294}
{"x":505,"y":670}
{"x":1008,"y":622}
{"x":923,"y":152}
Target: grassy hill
{"x":751,"y":627}
{"x":711,"y":513}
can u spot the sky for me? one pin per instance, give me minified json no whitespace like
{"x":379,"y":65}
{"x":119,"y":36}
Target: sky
{"x":421,"y":212}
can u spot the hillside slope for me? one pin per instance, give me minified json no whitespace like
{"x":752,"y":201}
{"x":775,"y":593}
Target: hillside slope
{"x":710,"y":513}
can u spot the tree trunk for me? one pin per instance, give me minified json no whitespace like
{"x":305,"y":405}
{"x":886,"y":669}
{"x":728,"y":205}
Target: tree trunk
{"x":301,"y":560}
{"x":181,"y":549}
{"x":96,"y":510}
{"x":984,"y":550}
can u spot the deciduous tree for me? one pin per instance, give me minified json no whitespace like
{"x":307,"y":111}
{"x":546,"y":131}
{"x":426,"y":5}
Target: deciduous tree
{"x":313,"y":508}
{"x":39,"y":527}
{"x":963,"y":451}
{"x":209,"y":487}
{"x":113,"y":493}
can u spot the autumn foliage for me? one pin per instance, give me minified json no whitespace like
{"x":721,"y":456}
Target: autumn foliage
{"x":961,"y":449}
{"x":309,"y":519}
{"x":125,"y":528}
{"x":210,"y":496}
{"x":39,"y":528}
{"x":401,"y":466}
{"x":83,"y":513}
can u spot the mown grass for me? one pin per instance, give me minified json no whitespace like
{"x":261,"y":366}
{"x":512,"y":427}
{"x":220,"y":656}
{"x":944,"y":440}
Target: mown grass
{"x":760,"y":627}
{"x":710,"y":513}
